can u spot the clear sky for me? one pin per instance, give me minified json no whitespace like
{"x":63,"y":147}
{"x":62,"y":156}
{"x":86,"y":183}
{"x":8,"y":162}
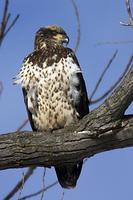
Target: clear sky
{"x":106,"y":175}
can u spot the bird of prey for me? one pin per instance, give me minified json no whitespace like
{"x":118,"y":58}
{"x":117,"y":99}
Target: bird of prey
{"x":54,"y":90}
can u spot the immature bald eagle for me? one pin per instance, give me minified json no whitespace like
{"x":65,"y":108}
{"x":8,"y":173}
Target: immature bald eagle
{"x":54,"y":90}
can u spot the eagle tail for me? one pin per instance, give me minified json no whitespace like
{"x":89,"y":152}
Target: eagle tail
{"x":68,"y":175}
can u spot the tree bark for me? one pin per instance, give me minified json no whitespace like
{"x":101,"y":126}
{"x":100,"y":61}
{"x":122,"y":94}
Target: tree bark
{"x":103,"y":129}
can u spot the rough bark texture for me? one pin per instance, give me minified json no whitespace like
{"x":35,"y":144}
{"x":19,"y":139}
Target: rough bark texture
{"x":104,"y":129}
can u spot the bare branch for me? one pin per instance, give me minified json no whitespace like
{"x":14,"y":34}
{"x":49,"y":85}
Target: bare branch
{"x":43,"y":181}
{"x":6,"y":16}
{"x":63,"y":194}
{"x":1,"y":88}
{"x":130,"y":23}
{"x":20,"y":183}
{"x":114,"y":42}
{"x":40,"y":191}
{"x":115,"y":84}
{"x":5,"y":19}
{"x":102,"y":75}
{"x":78,"y":25}
{"x":128,"y":7}
{"x":22,"y":125}
{"x":20,"y":191}
{"x":11,"y":25}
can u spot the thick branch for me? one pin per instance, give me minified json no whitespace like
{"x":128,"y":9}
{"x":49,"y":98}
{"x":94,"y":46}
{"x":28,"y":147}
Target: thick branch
{"x":31,"y":149}
{"x":103,"y":129}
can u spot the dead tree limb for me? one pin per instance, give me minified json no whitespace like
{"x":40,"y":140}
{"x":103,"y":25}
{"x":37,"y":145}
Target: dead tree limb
{"x":31,"y":149}
{"x":104,"y":129}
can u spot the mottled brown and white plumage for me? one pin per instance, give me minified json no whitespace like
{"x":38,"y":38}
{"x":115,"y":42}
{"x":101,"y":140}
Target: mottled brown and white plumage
{"x":54,"y":90}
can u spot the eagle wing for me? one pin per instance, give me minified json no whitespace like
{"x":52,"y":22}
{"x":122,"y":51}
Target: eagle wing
{"x":28,"y":78}
{"x":25,"y":94}
{"x":82,"y":105}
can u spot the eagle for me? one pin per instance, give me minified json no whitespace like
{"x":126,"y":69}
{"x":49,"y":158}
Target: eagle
{"x":54,"y":90}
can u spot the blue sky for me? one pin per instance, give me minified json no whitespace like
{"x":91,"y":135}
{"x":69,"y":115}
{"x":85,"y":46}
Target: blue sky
{"x":106,"y":175}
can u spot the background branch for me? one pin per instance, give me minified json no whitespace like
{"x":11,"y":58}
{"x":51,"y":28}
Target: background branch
{"x":39,"y":192}
{"x":114,"y":85}
{"x":1,"y":87}
{"x":102,"y":75}
{"x":4,"y":22}
{"x":129,"y":12}
{"x":78,"y":25}
{"x":20,"y":183}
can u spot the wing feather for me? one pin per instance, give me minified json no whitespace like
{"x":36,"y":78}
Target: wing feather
{"x":82,"y":105}
{"x":28,"y":111}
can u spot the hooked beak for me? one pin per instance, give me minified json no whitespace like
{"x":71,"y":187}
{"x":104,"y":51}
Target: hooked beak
{"x":65,"y":40}
{"x":61,"y":39}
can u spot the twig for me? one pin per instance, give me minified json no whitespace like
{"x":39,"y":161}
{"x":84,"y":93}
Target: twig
{"x":78,"y":25}
{"x":115,"y":84}
{"x":20,"y":183}
{"x":1,"y":87}
{"x":102,"y":75}
{"x":4,"y":22}
{"x":6,"y":16}
{"x":128,"y":7}
{"x":11,"y":25}
{"x":21,"y":186}
{"x":22,"y":125}
{"x":113,"y":42}
{"x":63,"y":194}
{"x":43,"y":181}
{"x":40,"y":191}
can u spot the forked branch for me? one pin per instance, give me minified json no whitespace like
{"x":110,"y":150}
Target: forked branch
{"x":129,"y":12}
{"x":4,"y":27}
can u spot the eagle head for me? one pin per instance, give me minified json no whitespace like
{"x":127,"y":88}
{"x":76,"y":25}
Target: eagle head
{"x":53,"y":35}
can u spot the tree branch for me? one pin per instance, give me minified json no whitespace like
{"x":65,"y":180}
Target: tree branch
{"x":1,"y":87}
{"x":113,"y":86}
{"x":78,"y":25}
{"x":102,"y":76}
{"x":103,"y":129}
{"x":31,"y":149}
{"x":39,"y":192}
{"x":4,"y":22}
{"x":20,"y":184}
{"x":129,"y":12}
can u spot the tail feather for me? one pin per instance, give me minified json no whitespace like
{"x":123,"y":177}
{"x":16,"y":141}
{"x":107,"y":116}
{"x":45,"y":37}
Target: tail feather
{"x":68,"y":175}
